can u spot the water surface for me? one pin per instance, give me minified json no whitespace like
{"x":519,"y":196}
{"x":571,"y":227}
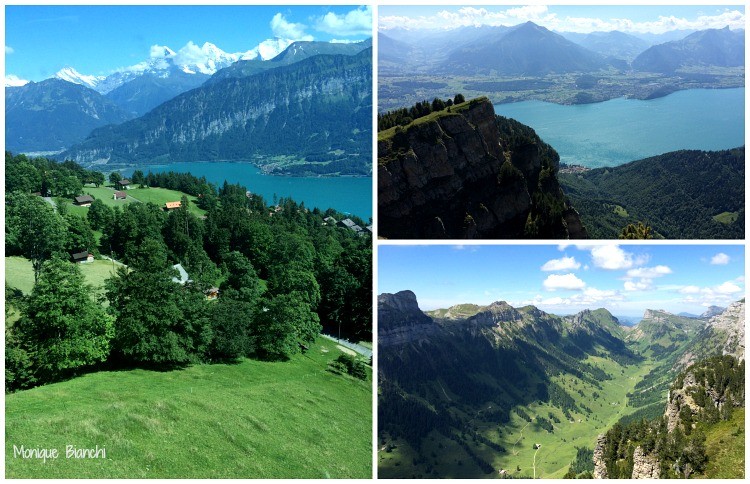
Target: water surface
{"x":350,"y":195}
{"x":620,"y":130}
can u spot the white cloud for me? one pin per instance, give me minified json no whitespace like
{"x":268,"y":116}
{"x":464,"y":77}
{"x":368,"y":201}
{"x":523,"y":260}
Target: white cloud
{"x":721,"y":295}
{"x":560,"y":281}
{"x":649,"y":272}
{"x":354,"y":22}
{"x":728,"y":288}
{"x":642,"y":285}
{"x":8,"y":50}
{"x":12,"y":80}
{"x":160,"y":51}
{"x":268,"y":49}
{"x":540,"y":14}
{"x":690,"y":290}
{"x":288,"y":30}
{"x":720,"y":259}
{"x":564,"y":264}
{"x":612,"y":258}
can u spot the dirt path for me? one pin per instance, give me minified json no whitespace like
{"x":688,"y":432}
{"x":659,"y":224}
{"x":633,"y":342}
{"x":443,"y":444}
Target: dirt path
{"x":347,"y":350}
{"x":513,"y":450}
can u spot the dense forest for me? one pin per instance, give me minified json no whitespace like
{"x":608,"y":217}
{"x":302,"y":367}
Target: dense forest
{"x":686,"y":194}
{"x":282,"y":274}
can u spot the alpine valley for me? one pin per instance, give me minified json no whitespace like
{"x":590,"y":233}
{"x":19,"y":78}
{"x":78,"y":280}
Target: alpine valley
{"x":229,"y":107}
{"x":496,"y":391}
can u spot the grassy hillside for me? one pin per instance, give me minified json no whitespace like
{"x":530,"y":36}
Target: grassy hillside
{"x":19,"y":273}
{"x":725,"y":446}
{"x":253,"y":420}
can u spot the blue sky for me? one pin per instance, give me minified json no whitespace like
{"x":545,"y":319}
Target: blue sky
{"x":628,"y":18}
{"x":626,"y":279}
{"x":96,"y":40}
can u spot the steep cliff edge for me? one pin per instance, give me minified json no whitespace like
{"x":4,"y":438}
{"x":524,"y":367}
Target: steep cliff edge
{"x":465,"y":173}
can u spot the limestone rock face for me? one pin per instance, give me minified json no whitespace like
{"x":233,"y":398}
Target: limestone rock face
{"x":600,"y":469}
{"x":401,"y":321}
{"x":441,"y":178}
{"x":732,"y":323}
{"x":644,"y":466}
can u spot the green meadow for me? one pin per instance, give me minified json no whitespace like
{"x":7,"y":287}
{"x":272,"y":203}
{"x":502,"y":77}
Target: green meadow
{"x":254,"y":419}
{"x":519,"y":437}
{"x":20,"y":275}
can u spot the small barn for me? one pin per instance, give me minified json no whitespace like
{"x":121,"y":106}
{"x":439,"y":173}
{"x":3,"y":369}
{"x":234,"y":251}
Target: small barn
{"x":172,"y":206}
{"x":124,"y":184}
{"x":120,"y":195}
{"x":84,"y":200}
{"x":82,"y":257}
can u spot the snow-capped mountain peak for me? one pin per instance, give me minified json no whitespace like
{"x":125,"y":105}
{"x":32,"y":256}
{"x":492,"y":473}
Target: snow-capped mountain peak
{"x":71,"y":75}
{"x":12,"y":80}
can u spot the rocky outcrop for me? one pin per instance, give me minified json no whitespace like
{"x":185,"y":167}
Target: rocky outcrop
{"x":712,"y":311}
{"x":679,"y":398}
{"x":724,"y":334}
{"x":644,"y":466}
{"x":600,"y":468}
{"x":460,"y":174}
{"x":732,"y":323}
{"x":401,"y":321}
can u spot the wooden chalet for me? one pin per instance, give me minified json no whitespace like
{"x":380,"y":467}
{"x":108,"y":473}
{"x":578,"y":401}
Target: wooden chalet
{"x":82,"y":257}
{"x":84,"y":200}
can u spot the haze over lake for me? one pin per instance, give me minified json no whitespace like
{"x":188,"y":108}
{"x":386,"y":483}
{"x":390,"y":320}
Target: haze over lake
{"x":614,"y":132}
{"x":346,"y":194}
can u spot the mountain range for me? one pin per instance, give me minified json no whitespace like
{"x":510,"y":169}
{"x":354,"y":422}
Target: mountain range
{"x":321,"y":104}
{"x":234,"y":116}
{"x":712,"y":47}
{"x":465,"y":391}
{"x":53,"y":114}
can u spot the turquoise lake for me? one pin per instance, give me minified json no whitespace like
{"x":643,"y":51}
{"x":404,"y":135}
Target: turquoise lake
{"x":614,"y":132}
{"x":346,"y":194}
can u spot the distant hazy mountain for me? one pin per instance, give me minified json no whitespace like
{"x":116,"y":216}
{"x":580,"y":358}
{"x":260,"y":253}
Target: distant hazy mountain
{"x":712,"y":311}
{"x":687,"y":315}
{"x":147,"y":91}
{"x":527,"y":49}
{"x":713,"y":47}
{"x":392,"y":50}
{"x":296,"y":52}
{"x":54,"y":114}
{"x":319,"y":108}
{"x":615,"y":43}
{"x":668,"y":36}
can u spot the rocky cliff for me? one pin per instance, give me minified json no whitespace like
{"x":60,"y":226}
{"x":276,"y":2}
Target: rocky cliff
{"x":644,"y":466}
{"x":465,"y":173}
{"x":724,"y":334}
{"x":401,"y":321}
{"x":600,"y":468}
